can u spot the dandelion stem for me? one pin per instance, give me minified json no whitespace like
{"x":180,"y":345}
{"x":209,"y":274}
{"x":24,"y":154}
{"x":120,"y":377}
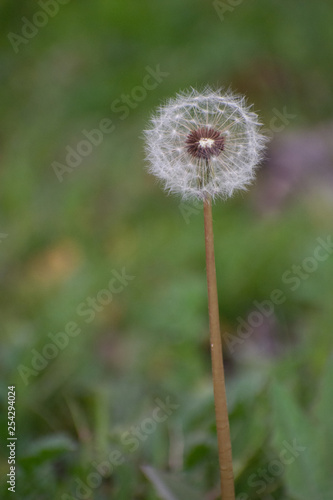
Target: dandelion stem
{"x":221,"y":410}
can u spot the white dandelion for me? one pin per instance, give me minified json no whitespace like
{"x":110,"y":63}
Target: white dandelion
{"x":204,"y":144}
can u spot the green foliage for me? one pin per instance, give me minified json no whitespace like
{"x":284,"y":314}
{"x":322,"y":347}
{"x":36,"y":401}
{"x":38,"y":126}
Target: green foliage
{"x":47,"y":448}
{"x":78,"y":414}
{"x":169,"y":486}
{"x":291,"y":427}
{"x":309,"y":475}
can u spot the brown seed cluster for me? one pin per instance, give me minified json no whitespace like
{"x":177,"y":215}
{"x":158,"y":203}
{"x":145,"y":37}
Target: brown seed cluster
{"x":204,"y":143}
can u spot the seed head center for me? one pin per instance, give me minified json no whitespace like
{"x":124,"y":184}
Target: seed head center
{"x":205,"y":142}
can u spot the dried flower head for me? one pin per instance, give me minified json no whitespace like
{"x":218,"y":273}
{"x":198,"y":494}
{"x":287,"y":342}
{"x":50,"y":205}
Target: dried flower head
{"x":204,"y":144}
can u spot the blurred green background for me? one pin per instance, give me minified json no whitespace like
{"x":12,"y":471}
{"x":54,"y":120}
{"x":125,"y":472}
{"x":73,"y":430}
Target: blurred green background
{"x":90,"y":372}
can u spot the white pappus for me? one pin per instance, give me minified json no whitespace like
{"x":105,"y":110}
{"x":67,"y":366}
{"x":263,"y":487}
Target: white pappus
{"x":204,"y":144}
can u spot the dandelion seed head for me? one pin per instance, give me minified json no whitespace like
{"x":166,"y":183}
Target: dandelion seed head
{"x":204,"y":144}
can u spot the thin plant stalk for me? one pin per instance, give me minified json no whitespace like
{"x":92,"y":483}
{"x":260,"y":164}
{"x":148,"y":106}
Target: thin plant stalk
{"x":221,"y":410}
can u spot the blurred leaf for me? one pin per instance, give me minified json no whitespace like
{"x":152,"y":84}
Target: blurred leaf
{"x":48,"y":448}
{"x":201,"y":451}
{"x":324,"y":428}
{"x":170,"y":486}
{"x":294,"y":435}
{"x":245,"y":387}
